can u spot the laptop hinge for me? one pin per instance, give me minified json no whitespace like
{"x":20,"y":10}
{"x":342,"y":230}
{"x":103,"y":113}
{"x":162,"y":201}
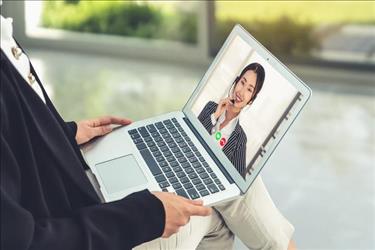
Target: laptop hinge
{"x":209,"y":151}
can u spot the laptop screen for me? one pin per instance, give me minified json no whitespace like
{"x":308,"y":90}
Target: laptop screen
{"x":242,"y":105}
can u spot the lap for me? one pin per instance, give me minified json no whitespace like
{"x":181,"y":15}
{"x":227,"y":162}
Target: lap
{"x":255,"y":219}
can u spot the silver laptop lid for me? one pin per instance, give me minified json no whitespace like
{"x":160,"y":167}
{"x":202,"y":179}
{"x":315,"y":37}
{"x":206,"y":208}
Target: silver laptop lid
{"x":266,"y":95}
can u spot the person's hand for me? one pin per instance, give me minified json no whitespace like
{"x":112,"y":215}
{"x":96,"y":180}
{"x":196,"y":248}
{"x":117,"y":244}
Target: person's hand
{"x":178,"y":211}
{"x":222,"y":106}
{"x":88,"y":129}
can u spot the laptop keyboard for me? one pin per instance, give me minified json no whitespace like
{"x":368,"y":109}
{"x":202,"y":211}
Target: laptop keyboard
{"x":174,"y":160}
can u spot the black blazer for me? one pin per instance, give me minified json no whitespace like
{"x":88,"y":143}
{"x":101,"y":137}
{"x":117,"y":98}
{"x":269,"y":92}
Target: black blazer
{"x":235,"y":148}
{"x":47,"y":202}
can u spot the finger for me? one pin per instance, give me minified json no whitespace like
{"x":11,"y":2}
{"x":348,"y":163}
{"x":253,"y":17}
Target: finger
{"x":199,"y":210}
{"x":102,"y":130}
{"x":107,"y":120}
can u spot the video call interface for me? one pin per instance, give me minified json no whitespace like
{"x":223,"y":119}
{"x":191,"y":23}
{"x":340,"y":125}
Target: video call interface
{"x":242,"y":105}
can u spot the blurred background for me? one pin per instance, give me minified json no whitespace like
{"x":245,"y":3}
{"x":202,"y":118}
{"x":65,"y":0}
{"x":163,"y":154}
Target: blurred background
{"x":142,"y":58}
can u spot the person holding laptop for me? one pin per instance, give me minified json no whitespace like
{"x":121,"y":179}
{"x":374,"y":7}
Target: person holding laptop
{"x":47,"y":201}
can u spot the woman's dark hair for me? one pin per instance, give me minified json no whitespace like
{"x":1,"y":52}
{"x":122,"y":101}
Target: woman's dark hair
{"x":259,"y":71}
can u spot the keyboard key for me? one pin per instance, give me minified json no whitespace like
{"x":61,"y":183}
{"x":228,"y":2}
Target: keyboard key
{"x":172,"y":130}
{"x":172,"y":145}
{"x":221,"y":186}
{"x":167,"y":122}
{"x":184,"y":179}
{"x":204,"y":175}
{"x":185,"y":165}
{"x":173,"y":180}
{"x":189,"y":170}
{"x":169,"y":126}
{"x":174,"y":164}
{"x":196,"y":164}
{"x":169,"y":140}
{"x":174,"y":120}
{"x":188,"y":185}
{"x":159,"y":125}
{"x":176,"y":135}
{"x":159,"y":158}
{"x":204,"y":192}
{"x":201,"y":170}
{"x":161,"y":144}
{"x":137,"y":140}
{"x":182,"y":145}
{"x":151,"y":128}
{"x":213,"y":175}
{"x":166,"y":169}
{"x":160,"y":178}
{"x":155,"y":134}
{"x":141,"y":146}
{"x":194,"y":148}
{"x":164,"y":148}
{"x":180,"y":174}
{"x":158,"y":139}
{"x":209,"y":169}
{"x":207,"y":181}
{"x":151,"y":163}
{"x":143,"y":131}
{"x":171,"y":158}
{"x":147,"y":139}
{"x":191,"y":143}
{"x":205,"y":164}
{"x":164,"y":184}
{"x":163,"y":164}
{"x":179,"y":154}
{"x":150,"y":144}
{"x":186,"y":150}
{"x":176,"y":185}
{"x":169,"y":174}
{"x":156,"y":153}
{"x":177,"y":169}
{"x":181,"y":192}
{"x":167,"y":153}
{"x":133,"y":131}
{"x":154,"y":149}
{"x":217,"y":181}
{"x":175,"y":150}
{"x":163,"y":131}
{"x":199,"y":155}
{"x":213,"y":189}
{"x":193,"y":193}
{"x":201,"y":159}
{"x":178,"y":140}
{"x":200,"y":187}
{"x":193,"y":176}
{"x":181,"y":159}
{"x":189,"y":155}
{"x":135,"y":136}
{"x":196,"y":181}
{"x":193,"y":159}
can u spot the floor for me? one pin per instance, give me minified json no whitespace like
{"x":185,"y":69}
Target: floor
{"x":322,"y":176}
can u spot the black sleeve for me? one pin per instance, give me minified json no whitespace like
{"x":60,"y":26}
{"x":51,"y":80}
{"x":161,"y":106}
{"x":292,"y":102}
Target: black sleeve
{"x":72,"y":128}
{"x":118,"y":225}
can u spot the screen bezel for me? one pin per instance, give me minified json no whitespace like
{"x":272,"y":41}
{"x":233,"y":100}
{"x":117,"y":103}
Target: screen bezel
{"x":283,"y":128}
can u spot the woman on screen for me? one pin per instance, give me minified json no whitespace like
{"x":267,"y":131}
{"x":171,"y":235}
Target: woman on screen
{"x":222,"y":120}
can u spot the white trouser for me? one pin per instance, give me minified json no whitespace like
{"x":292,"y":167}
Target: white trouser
{"x":253,"y":218}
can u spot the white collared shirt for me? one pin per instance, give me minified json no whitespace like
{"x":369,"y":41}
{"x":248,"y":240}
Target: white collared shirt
{"x":22,"y":63}
{"x":222,"y":136}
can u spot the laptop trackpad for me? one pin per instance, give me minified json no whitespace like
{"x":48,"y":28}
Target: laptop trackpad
{"x":120,"y":174}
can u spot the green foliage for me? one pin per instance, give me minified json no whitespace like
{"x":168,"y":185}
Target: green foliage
{"x":120,"y":18}
{"x":283,"y":36}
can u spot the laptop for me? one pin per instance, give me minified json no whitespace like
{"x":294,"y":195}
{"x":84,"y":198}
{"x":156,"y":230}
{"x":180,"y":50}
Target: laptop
{"x":214,"y":148}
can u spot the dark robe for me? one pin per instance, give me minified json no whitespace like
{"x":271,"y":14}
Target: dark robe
{"x":47,"y":202}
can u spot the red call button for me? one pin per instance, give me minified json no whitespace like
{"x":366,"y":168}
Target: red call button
{"x":222,"y":141}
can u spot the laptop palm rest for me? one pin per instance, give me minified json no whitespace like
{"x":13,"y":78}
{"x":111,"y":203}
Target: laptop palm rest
{"x":120,"y":174}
